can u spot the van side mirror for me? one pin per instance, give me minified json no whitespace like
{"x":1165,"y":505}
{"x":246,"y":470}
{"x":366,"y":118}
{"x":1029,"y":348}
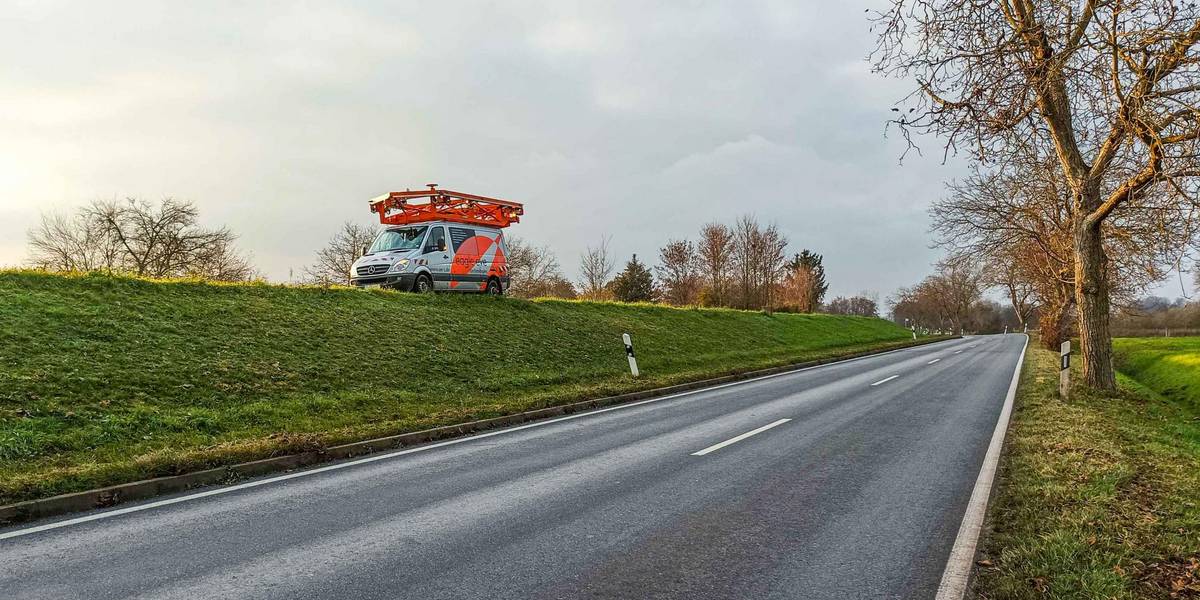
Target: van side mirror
{"x":363,"y":252}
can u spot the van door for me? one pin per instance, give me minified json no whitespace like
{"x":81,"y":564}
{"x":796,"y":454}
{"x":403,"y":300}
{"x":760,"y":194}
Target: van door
{"x":437,"y":255}
{"x":465,"y":274}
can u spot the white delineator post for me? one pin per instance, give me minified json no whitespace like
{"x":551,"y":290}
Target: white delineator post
{"x":1064,"y":369}
{"x":914,"y":330}
{"x":629,"y":354}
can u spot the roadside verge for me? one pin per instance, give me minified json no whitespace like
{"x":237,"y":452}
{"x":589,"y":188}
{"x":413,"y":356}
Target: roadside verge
{"x":1098,"y":495}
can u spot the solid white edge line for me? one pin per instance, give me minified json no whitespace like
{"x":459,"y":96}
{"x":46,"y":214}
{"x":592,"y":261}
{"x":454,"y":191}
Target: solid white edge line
{"x":933,"y":361}
{"x":885,"y":380}
{"x":738,"y":438}
{"x":957,"y":575}
{"x":378,"y":457}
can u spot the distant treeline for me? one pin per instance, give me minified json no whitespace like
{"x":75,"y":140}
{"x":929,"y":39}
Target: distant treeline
{"x":1155,"y":316}
{"x":745,"y":265}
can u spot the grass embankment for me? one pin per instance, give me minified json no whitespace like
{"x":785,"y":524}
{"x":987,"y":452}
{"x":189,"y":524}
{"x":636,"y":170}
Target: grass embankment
{"x":1169,"y":366}
{"x":105,"y":379}
{"x":1099,"y":496}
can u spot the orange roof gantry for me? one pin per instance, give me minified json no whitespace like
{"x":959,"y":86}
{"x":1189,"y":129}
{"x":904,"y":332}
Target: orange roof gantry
{"x":394,"y":208}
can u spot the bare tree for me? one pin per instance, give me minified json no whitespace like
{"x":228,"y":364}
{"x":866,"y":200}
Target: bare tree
{"x":222,"y":262}
{"x":164,"y":240}
{"x":915,"y":309}
{"x":1112,"y":85}
{"x":137,"y":237}
{"x":957,"y":287}
{"x":714,"y":252}
{"x":72,"y":243}
{"x":943,"y":301}
{"x":758,"y":257}
{"x":796,"y":291}
{"x":678,"y":272}
{"x":595,"y":271}
{"x":746,"y":248}
{"x":1015,"y":219}
{"x":534,"y":272}
{"x":1018,"y":288}
{"x":772,"y":258}
{"x":855,"y":305}
{"x":335,"y":259}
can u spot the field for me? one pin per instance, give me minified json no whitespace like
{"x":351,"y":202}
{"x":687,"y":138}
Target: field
{"x":1099,"y":496}
{"x":1169,"y":366}
{"x":108,"y":379}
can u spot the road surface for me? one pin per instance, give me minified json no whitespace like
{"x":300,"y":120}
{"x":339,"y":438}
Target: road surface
{"x":843,"y":481}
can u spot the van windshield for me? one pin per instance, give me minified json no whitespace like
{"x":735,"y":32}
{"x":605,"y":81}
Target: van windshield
{"x":407,"y":238}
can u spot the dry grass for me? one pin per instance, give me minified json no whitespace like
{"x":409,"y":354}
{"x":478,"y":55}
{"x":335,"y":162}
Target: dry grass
{"x":1099,"y":495}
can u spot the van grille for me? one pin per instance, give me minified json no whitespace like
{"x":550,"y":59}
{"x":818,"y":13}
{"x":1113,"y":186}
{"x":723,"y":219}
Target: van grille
{"x":373,"y":269}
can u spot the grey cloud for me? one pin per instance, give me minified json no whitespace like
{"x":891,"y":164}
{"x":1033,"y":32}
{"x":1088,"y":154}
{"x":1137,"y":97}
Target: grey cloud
{"x":636,"y":120}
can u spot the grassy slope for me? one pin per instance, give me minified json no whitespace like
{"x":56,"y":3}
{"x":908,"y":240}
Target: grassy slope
{"x":1169,"y":366}
{"x":1099,"y":496}
{"x":108,"y":379}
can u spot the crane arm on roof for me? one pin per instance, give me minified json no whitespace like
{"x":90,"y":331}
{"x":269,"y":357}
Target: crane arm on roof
{"x":398,"y":208}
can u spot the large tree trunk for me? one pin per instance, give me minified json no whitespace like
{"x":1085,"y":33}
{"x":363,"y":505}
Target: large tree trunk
{"x":1091,"y":299}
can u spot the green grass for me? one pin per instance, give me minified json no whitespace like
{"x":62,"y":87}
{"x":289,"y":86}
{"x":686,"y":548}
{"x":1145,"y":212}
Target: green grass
{"x":1169,"y":366}
{"x":1099,"y":496}
{"x":107,"y":379}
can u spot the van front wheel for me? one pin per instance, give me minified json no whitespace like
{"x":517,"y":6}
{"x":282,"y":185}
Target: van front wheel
{"x":423,"y":284}
{"x":493,"y":287}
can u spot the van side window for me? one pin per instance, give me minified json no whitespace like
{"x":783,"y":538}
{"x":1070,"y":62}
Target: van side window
{"x":458,"y":235}
{"x":437,"y":239}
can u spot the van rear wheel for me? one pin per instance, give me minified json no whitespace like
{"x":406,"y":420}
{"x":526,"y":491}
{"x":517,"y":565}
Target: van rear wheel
{"x":494,"y":288}
{"x":423,"y":284}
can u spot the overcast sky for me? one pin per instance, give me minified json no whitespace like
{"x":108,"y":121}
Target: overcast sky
{"x":630,"y":120}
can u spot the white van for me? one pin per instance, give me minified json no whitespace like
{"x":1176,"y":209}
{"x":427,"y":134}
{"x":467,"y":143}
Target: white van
{"x":435,"y":256}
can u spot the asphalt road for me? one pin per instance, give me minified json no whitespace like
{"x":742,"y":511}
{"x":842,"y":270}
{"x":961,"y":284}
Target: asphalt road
{"x":849,"y":489}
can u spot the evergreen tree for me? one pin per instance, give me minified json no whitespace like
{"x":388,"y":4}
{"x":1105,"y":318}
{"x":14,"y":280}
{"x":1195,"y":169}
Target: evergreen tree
{"x":805,"y":281}
{"x":634,"y":283}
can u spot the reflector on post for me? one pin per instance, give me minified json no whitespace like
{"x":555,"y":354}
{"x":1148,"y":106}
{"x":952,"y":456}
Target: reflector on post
{"x":633,"y":368}
{"x":1064,"y":369}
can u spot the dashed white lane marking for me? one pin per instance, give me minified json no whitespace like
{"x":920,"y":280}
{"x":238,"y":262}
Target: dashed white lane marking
{"x":885,"y":380}
{"x":933,"y":361}
{"x":736,"y":439}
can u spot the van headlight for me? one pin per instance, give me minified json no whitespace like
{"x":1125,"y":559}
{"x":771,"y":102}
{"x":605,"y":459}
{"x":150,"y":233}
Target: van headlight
{"x":400,"y":265}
